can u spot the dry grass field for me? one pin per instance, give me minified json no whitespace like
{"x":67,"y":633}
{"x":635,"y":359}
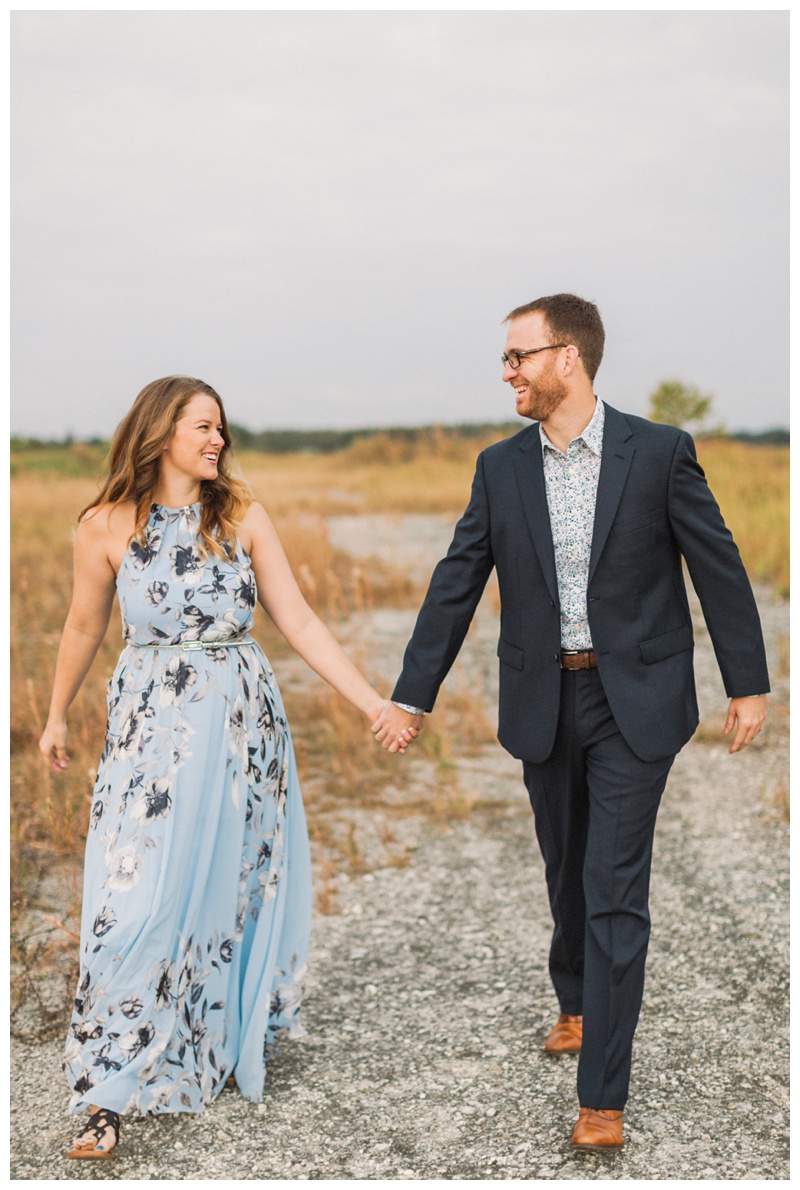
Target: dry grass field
{"x":378,"y":475}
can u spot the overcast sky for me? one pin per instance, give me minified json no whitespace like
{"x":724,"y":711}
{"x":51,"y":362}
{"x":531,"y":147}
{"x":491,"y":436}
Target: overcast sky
{"x":326,"y":215}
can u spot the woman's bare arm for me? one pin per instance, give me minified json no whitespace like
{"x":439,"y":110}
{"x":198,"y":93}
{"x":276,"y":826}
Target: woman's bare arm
{"x":283,"y":601}
{"x":92,"y":597}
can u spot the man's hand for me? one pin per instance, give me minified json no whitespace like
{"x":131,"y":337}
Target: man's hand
{"x":395,"y":728}
{"x":749,"y":715}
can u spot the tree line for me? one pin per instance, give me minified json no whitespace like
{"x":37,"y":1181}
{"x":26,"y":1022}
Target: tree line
{"x":673,"y":402}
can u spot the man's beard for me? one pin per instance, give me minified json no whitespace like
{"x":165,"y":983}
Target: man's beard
{"x":543,"y":398}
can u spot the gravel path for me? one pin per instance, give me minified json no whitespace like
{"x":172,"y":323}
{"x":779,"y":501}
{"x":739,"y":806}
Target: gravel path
{"x":429,"y":998}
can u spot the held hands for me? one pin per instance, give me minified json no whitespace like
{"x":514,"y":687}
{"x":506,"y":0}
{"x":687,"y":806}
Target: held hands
{"x":395,"y":729}
{"x":749,"y":715}
{"x":53,"y":747}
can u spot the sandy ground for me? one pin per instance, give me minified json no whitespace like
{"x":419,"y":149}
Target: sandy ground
{"x":429,"y":998}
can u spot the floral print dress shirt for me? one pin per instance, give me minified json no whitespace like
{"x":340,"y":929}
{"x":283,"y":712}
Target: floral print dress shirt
{"x":571,"y":485}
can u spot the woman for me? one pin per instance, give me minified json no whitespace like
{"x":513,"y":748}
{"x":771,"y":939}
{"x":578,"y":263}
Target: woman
{"x":196,"y":906}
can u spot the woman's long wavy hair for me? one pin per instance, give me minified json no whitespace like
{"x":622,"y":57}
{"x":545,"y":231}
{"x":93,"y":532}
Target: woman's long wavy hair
{"x":133,"y":464}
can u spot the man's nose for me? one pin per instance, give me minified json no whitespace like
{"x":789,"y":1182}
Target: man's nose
{"x":508,"y":373}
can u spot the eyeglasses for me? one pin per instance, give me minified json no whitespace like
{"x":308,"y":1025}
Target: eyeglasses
{"x":515,"y":358}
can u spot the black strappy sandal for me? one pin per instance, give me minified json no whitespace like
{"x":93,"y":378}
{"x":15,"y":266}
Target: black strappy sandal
{"x":98,"y":1123}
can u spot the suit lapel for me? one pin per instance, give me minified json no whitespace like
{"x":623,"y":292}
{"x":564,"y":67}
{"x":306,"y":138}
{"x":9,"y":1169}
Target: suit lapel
{"x":618,"y":454}
{"x":530,"y":478}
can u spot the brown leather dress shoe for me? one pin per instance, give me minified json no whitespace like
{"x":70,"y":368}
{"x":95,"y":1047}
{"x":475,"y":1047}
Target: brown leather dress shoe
{"x":597,"y":1131}
{"x":566,"y":1036}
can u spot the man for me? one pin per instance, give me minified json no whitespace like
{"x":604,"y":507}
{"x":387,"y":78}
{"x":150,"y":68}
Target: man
{"x":586,"y":516}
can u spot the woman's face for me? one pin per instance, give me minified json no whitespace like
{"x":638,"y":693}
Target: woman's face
{"x":196,"y":443}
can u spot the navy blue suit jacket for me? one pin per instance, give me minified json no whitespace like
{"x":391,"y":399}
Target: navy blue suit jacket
{"x":653,"y":507}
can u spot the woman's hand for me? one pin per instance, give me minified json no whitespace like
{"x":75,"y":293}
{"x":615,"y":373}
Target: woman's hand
{"x":395,"y":728}
{"x":53,"y":747}
{"x":393,"y":741}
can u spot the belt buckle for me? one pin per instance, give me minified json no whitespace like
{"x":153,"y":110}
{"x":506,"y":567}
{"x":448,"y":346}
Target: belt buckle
{"x":582,"y":658}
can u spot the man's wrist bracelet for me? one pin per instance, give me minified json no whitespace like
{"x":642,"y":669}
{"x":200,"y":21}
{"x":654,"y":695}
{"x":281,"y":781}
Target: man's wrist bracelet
{"x":405,"y":707}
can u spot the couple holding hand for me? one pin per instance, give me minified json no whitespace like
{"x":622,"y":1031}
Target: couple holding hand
{"x":197,"y":902}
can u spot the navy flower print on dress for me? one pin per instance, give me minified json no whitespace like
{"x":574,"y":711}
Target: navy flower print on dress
{"x":197,"y":883}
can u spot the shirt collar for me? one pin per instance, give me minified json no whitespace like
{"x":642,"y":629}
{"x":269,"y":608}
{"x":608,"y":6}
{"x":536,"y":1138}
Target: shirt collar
{"x":592,"y":435}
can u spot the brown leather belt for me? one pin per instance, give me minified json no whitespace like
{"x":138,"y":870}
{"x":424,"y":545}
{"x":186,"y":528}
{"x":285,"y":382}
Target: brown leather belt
{"x":578,"y":659}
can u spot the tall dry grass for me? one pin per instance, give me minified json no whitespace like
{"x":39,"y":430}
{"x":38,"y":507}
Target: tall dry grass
{"x":341,"y":763}
{"x":751,"y":484}
{"x":378,"y":474}
{"x":375,"y":475}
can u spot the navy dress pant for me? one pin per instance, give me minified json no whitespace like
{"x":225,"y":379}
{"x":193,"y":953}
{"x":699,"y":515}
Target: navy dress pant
{"x":595,"y":805}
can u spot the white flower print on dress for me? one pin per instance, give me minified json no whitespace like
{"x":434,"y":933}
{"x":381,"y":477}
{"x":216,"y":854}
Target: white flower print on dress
{"x":143,"y":555}
{"x":197,"y":621}
{"x":179,"y":755}
{"x":188,"y":564}
{"x":238,"y":733}
{"x":156,"y":593}
{"x":131,"y":1006}
{"x":130,"y":730}
{"x":188,"y":521}
{"x":288,"y":994}
{"x":155,"y":802}
{"x":124,"y":868}
{"x":224,"y":627}
{"x":269,"y":883}
{"x":246,"y":591}
{"x":178,"y":677}
{"x":136,"y":1042}
{"x":188,"y":803}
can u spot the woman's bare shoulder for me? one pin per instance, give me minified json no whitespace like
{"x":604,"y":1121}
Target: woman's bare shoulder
{"x":109,"y":518}
{"x":253,"y":524}
{"x":108,"y":528}
{"x":254,"y":514}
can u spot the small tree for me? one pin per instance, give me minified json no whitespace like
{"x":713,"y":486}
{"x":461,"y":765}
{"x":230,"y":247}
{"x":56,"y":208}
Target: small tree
{"x":679,"y":405}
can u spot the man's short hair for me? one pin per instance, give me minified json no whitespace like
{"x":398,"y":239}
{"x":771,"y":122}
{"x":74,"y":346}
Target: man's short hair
{"x":570,"y":319}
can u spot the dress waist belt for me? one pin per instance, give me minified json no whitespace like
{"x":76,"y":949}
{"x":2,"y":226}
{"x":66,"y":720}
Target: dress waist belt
{"x":193,"y":645}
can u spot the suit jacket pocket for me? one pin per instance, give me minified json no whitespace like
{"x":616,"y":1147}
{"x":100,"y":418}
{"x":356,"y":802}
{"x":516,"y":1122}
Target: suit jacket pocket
{"x":510,"y":654}
{"x":658,"y":648}
{"x":630,"y":524}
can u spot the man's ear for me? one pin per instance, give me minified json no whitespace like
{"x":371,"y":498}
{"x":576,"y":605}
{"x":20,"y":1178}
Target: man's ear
{"x":571,"y":360}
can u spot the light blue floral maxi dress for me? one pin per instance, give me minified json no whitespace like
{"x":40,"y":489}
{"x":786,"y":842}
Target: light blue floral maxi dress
{"x":197,"y":882}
